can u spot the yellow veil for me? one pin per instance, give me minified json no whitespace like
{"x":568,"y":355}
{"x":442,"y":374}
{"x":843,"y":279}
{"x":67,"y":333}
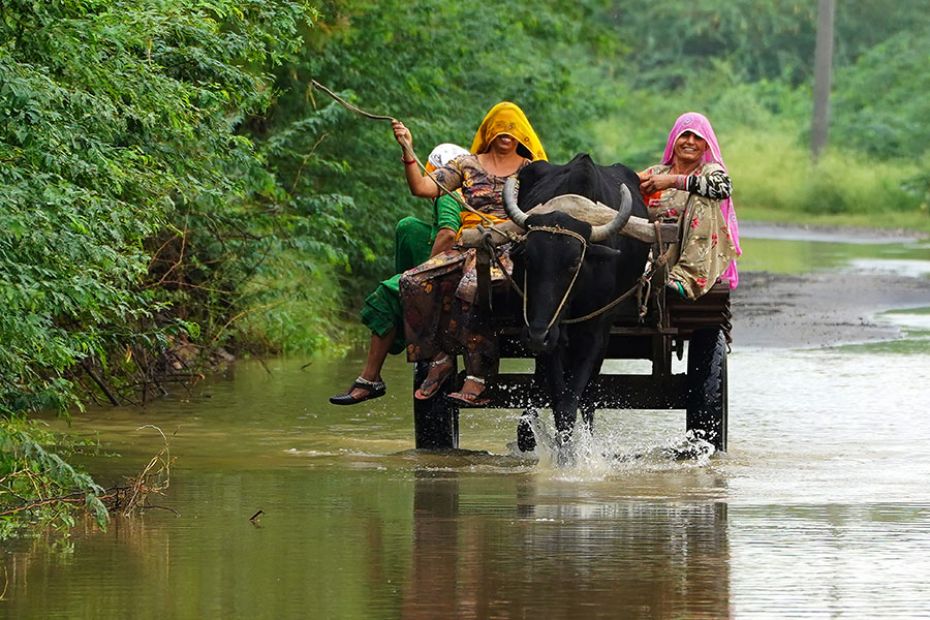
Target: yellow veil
{"x":508,"y":118}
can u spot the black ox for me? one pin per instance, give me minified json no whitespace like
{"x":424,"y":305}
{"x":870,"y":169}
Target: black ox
{"x":570,"y":268}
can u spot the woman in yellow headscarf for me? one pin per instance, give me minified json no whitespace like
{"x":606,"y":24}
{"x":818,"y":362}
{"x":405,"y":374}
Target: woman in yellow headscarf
{"x":439,"y":315}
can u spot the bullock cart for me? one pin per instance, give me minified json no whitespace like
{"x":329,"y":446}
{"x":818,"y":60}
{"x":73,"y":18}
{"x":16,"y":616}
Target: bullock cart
{"x":654,"y":327}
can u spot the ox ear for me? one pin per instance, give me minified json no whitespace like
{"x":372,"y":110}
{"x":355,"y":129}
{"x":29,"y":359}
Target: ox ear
{"x":599,"y":233}
{"x":510,"y":203}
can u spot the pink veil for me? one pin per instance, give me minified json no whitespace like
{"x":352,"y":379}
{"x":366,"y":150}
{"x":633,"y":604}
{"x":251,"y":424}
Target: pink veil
{"x":698,"y":124}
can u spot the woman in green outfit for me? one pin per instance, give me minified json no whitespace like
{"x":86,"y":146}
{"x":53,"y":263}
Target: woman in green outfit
{"x":415,"y":241}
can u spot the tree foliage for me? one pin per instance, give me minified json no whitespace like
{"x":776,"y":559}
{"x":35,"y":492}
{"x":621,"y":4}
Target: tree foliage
{"x":670,"y":42}
{"x":876,"y":108}
{"x":119,"y":127}
{"x":121,"y":142}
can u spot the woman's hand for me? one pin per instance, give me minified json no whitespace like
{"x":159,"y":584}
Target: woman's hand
{"x":419,"y":185}
{"x":649,"y":184}
{"x":403,"y":137}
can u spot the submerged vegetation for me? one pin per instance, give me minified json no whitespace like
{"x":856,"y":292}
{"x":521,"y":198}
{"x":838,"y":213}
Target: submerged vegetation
{"x":171,"y":185}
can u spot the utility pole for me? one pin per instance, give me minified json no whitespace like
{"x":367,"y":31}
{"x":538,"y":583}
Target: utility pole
{"x":823,"y":76}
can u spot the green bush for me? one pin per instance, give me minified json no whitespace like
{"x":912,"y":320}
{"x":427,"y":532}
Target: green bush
{"x":293,"y":306}
{"x":772,"y":170}
{"x":132,"y":205}
{"x":31,"y":469}
{"x":877,"y":109}
{"x":127,"y":193}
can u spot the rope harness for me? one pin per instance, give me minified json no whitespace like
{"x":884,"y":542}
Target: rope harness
{"x":556,"y":230}
{"x":642,"y":287}
{"x":643,"y":283}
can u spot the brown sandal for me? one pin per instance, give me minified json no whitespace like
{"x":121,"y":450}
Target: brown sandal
{"x":469,"y":399}
{"x":431,"y":385}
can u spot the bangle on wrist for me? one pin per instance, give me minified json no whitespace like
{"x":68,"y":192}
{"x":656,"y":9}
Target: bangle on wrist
{"x":406,"y":161}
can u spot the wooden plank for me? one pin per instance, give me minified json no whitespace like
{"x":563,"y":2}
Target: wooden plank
{"x":669,"y":232}
{"x":517,"y":391}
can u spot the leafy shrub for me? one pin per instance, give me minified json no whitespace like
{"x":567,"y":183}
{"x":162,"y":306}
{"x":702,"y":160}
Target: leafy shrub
{"x":877,"y":107}
{"x":32,"y":467}
{"x":772,"y":170}
{"x":132,"y":206}
{"x":119,"y":139}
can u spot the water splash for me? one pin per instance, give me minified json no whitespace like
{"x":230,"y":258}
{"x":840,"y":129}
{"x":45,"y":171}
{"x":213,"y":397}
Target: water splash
{"x":584,"y":455}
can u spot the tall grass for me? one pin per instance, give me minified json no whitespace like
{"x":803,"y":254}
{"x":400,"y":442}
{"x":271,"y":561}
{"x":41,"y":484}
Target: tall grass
{"x":773,"y":175}
{"x":773,"y":171}
{"x":294,"y":306}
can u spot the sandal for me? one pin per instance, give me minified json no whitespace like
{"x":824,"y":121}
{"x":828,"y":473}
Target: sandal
{"x":431,"y":384}
{"x":374,"y":389}
{"x":469,"y":399}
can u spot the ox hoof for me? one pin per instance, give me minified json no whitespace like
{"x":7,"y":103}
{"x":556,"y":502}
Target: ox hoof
{"x":564,"y":449}
{"x":526,"y":437}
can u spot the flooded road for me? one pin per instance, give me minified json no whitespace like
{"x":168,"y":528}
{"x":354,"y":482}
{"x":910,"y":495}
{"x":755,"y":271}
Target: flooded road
{"x":821,"y":508}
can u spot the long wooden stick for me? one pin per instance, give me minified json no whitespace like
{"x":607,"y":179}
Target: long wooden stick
{"x":349,"y":106}
{"x":382,"y":117}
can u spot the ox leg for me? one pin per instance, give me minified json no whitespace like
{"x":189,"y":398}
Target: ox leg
{"x":587,"y":415}
{"x":589,"y":397}
{"x":550,"y":372}
{"x":526,"y":436}
{"x":585,"y":365}
{"x":564,"y":398}
{"x":565,"y":411}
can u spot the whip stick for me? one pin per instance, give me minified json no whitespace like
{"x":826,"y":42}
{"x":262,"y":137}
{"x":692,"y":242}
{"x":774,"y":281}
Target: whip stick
{"x":352,"y":108}
{"x":382,"y":117}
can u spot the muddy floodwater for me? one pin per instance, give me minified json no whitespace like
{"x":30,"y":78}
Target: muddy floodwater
{"x":821,"y":508}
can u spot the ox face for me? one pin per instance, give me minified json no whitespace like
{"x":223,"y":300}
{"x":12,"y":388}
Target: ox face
{"x":553,"y":257}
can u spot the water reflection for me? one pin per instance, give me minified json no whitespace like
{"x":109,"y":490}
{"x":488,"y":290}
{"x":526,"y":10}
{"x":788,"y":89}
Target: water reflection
{"x":542,"y":553}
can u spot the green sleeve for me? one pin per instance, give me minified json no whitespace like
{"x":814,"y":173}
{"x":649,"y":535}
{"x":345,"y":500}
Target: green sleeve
{"x":446,"y":212}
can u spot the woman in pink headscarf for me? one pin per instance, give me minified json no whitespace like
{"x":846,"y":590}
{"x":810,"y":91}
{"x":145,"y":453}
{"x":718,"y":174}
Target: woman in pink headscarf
{"x":692,"y":186}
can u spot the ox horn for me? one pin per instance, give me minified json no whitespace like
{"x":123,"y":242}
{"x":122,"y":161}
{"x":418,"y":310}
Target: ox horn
{"x":601,"y":232}
{"x":639,"y":228}
{"x":510,"y":203}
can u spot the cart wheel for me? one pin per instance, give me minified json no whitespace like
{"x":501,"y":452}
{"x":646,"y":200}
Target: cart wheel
{"x":435,"y":421}
{"x":526,"y":438}
{"x":707,"y":386}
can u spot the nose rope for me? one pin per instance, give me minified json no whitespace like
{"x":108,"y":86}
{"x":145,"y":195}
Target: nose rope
{"x":555,"y":230}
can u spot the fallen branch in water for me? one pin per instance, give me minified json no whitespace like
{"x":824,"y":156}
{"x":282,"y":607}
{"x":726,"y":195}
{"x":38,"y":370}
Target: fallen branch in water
{"x":153,"y":479}
{"x":100,"y":383}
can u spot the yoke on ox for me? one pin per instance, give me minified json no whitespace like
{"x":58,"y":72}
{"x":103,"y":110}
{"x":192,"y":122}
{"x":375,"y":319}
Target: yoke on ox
{"x":580,"y":270}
